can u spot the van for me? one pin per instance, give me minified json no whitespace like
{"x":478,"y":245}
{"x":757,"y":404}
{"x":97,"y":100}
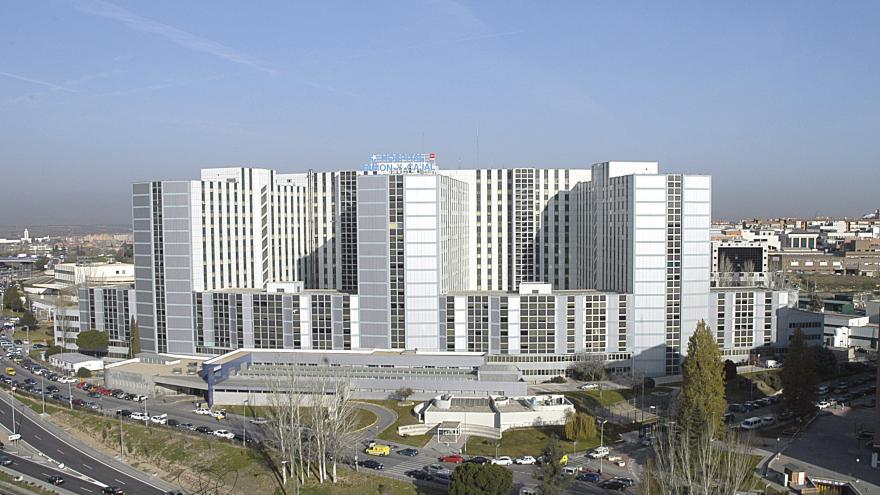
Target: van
{"x":10,"y":371}
{"x":569,"y":470}
{"x":751,"y":423}
{"x":378,"y":449}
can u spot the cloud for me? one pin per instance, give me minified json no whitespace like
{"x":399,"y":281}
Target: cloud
{"x":56,"y":87}
{"x":167,"y":85}
{"x":177,"y":36}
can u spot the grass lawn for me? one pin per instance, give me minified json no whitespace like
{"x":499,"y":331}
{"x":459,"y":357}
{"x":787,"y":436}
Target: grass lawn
{"x":761,"y":383}
{"x":532,"y":441}
{"x":363,"y":418}
{"x":590,"y":400}
{"x":361,"y":483}
{"x":404,"y":417}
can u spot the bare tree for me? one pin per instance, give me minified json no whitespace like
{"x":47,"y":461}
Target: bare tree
{"x":285,"y":414}
{"x":341,"y":422}
{"x":712,"y":463}
{"x":588,"y":366}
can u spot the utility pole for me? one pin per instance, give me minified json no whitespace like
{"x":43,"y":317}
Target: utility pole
{"x":12,"y":404}
{"x":601,"y":441}
{"x":121,"y":444}
{"x":43,"y":394}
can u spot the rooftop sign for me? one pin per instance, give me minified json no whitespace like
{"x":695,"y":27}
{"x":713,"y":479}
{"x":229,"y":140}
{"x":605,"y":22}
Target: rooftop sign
{"x":417,"y":163}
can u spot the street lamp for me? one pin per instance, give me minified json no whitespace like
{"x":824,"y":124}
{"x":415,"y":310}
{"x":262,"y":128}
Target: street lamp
{"x":778,"y":452}
{"x":43,"y":393}
{"x":244,"y":424}
{"x":601,"y":441}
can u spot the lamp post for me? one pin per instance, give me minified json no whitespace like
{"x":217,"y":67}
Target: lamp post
{"x":12,"y":405}
{"x":244,"y":424}
{"x":43,"y":393}
{"x":778,"y":452}
{"x":601,"y":441}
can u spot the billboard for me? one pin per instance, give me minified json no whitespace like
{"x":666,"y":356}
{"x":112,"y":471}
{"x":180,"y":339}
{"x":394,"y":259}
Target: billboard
{"x":402,"y":163}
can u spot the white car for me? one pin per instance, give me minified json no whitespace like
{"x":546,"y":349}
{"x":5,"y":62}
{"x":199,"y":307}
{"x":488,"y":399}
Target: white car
{"x":599,"y":452}
{"x":160,"y":419}
{"x":589,"y":386}
{"x":139,"y":416}
{"x":202,"y":411}
{"x":767,"y":420}
{"x":751,"y":423}
{"x":218,"y":414}
{"x":526,"y":459}
{"x":824,"y":404}
{"x":224,"y":434}
{"x":259,"y":421}
{"x":503,"y":461}
{"x":139,"y":398}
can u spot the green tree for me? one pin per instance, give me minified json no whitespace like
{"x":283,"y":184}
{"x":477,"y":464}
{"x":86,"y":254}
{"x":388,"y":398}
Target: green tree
{"x":553,"y":479}
{"x":730,"y":371}
{"x":55,"y":349}
{"x":134,"y":346}
{"x":12,"y":299}
{"x":29,"y":320}
{"x":40,"y":264}
{"x":92,"y":341}
{"x":826,"y":363}
{"x":580,"y":426}
{"x":799,"y":378}
{"x":701,"y":403}
{"x":486,"y":479}
{"x":83,"y":373}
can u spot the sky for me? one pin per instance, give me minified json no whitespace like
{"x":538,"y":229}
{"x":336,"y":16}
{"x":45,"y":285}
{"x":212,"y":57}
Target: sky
{"x":778,"y":101}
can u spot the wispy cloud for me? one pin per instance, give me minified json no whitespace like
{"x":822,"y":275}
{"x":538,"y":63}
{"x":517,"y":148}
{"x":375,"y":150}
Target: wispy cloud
{"x":177,"y":36}
{"x":56,"y":87}
{"x":167,"y":85}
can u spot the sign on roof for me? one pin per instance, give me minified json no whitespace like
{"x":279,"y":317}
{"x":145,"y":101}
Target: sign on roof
{"x":416,"y":163}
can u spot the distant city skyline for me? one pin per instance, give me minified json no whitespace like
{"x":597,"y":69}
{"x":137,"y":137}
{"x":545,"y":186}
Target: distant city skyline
{"x":776,"y":101}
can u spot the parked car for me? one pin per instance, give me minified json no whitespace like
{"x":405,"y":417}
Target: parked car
{"x":589,"y":477}
{"x":409,"y":452}
{"x":823,"y":404}
{"x":628,"y":482}
{"x":160,"y":419}
{"x":452,"y":458}
{"x":598,"y":453}
{"x":419,"y":475}
{"x":751,"y":423}
{"x":589,"y":386}
{"x":202,"y":411}
{"x":480,"y":460}
{"x":204,"y":429}
{"x":224,"y":434}
{"x":259,"y":421}
{"x":125,"y":413}
{"x":186,"y":426}
{"x":503,"y":461}
{"x":767,"y":420}
{"x":372,"y":464}
{"x":139,"y":416}
{"x":526,"y":459}
{"x":173,"y":423}
{"x":612,"y":485}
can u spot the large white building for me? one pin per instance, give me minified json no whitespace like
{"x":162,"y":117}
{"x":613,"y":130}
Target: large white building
{"x":532,"y":267}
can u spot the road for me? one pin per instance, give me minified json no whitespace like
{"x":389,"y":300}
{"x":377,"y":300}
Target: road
{"x":43,"y":471}
{"x":60,"y":450}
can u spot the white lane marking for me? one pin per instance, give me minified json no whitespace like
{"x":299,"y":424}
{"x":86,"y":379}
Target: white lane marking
{"x":87,"y":466}
{"x":119,"y":481}
{"x":37,"y":437}
{"x":86,"y":489}
{"x":59,"y":451}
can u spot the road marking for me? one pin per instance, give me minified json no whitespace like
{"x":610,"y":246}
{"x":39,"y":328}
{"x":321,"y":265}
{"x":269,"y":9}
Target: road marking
{"x":87,"y":466}
{"x":86,"y":489}
{"x":119,"y":481}
{"x":59,"y":451}
{"x":37,"y":437}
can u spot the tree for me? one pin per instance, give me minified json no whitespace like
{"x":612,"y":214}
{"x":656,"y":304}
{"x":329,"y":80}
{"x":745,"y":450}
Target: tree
{"x":29,"y":320}
{"x":588,"y":367}
{"x":92,"y":341}
{"x":580,"y":426}
{"x":553,"y":479}
{"x":83,"y":373}
{"x":134,"y":346}
{"x":730,"y":371}
{"x":55,"y":349}
{"x":815,"y":303}
{"x":708,"y":462}
{"x":41,"y":262}
{"x":799,"y":378}
{"x":486,"y":479}
{"x":403,"y":393}
{"x":826,"y":363}
{"x":702,"y":403}
{"x":12,"y":299}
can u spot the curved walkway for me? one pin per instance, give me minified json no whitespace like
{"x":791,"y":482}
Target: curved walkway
{"x":386,"y":417}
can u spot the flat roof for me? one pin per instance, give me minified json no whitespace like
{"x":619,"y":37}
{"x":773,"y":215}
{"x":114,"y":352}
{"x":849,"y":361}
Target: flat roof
{"x":74,"y":357}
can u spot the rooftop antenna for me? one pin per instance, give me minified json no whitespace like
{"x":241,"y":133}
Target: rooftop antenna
{"x":478,"y":145}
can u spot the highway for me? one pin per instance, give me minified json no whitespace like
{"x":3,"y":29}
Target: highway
{"x":28,"y":424}
{"x":43,"y":471}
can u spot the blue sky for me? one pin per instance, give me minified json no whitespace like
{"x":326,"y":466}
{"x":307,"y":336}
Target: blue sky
{"x":777,"y":100}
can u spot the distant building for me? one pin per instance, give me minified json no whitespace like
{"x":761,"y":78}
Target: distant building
{"x":72,"y":362}
{"x":94,"y":273}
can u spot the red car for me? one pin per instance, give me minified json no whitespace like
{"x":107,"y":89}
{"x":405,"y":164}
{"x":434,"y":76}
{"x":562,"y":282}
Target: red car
{"x":80,"y":385}
{"x":453,"y":458}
